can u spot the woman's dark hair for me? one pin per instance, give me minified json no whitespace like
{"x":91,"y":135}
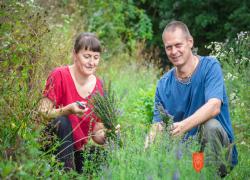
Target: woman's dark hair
{"x":87,"y":41}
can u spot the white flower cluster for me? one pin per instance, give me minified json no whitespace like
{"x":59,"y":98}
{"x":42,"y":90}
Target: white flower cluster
{"x":230,"y":76}
{"x":216,"y":48}
{"x":219,"y":51}
{"x":242,"y":35}
{"x":234,"y":99}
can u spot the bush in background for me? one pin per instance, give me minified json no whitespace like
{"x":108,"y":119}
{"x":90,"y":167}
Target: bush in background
{"x":119,"y":24}
{"x":30,"y":46}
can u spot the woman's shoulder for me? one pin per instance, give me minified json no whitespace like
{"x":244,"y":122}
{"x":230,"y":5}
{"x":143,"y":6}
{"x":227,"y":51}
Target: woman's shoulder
{"x":59,"y":71}
{"x":99,"y":81}
{"x":99,"y":84}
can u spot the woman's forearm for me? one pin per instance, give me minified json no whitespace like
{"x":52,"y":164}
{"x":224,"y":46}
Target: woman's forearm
{"x":47,"y":110}
{"x":53,"y":113}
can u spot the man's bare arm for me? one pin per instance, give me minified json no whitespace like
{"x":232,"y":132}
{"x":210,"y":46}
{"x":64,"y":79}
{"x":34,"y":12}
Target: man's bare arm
{"x":204,"y":113}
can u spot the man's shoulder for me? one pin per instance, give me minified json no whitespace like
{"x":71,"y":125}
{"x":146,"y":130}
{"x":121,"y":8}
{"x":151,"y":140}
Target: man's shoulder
{"x":210,"y":64}
{"x":209,"y":60}
{"x":165,"y":78}
{"x":167,"y":74}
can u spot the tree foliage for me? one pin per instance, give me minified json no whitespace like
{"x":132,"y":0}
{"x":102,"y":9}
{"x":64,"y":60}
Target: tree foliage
{"x":119,"y":24}
{"x":208,"y":21}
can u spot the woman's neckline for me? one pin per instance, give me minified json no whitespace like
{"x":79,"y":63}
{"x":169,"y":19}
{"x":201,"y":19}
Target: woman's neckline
{"x":73,"y":81}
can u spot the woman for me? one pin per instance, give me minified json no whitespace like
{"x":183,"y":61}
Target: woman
{"x":66,"y":94}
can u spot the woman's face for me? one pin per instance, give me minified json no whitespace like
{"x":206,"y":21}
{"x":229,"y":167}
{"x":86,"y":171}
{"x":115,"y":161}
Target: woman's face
{"x":86,"y":61}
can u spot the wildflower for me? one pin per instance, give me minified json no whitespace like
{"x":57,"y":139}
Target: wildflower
{"x":176,"y":175}
{"x":178,"y":153}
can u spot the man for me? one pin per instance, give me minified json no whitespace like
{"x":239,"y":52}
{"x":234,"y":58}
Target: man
{"x":193,"y":93}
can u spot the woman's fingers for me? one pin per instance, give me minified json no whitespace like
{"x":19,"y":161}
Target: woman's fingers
{"x":81,"y":104}
{"x":79,"y":108}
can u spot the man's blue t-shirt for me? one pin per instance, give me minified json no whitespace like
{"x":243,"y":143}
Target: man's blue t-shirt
{"x":182,"y":99}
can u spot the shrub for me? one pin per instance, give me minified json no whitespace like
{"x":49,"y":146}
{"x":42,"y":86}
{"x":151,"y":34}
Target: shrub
{"x":144,"y":105}
{"x":119,"y":24}
{"x":234,"y":57}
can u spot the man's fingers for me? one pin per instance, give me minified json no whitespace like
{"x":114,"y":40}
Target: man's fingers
{"x":118,"y":127}
{"x":146,"y":144}
{"x":173,"y":127}
{"x":174,"y":131}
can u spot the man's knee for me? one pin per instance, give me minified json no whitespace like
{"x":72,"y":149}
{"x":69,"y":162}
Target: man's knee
{"x":211,"y":127}
{"x":213,"y":130}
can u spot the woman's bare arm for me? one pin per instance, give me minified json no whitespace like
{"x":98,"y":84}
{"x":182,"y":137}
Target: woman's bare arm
{"x":47,"y":109}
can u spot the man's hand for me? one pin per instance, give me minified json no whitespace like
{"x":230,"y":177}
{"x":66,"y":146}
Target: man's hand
{"x":178,"y":128}
{"x":155,"y":128}
{"x":204,"y":113}
{"x":118,"y":129}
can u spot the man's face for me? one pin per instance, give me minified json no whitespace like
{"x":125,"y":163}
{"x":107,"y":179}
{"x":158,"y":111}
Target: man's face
{"x":177,"y":46}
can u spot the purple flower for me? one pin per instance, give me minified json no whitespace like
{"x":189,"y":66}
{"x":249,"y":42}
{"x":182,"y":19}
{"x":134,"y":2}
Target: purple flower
{"x":176,"y":175}
{"x":119,"y":112}
{"x":178,"y":153}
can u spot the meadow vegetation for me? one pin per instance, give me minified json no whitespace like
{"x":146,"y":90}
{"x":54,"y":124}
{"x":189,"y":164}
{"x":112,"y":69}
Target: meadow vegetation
{"x":36,"y":37}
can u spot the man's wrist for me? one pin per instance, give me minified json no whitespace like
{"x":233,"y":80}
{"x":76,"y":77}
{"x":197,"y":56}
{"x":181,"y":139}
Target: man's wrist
{"x":187,"y":124}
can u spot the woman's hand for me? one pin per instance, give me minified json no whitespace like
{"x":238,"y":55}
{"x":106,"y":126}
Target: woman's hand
{"x":47,"y":110}
{"x":78,"y":108}
{"x":98,"y":134}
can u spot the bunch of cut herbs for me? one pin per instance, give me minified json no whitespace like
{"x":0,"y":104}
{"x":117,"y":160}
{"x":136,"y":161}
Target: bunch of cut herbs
{"x":105,"y":107}
{"x":165,"y":116}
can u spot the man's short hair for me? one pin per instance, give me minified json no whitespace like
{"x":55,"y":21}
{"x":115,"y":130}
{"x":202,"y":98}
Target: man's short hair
{"x":173,"y":25}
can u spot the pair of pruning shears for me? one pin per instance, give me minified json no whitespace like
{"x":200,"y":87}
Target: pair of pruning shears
{"x":81,"y":105}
